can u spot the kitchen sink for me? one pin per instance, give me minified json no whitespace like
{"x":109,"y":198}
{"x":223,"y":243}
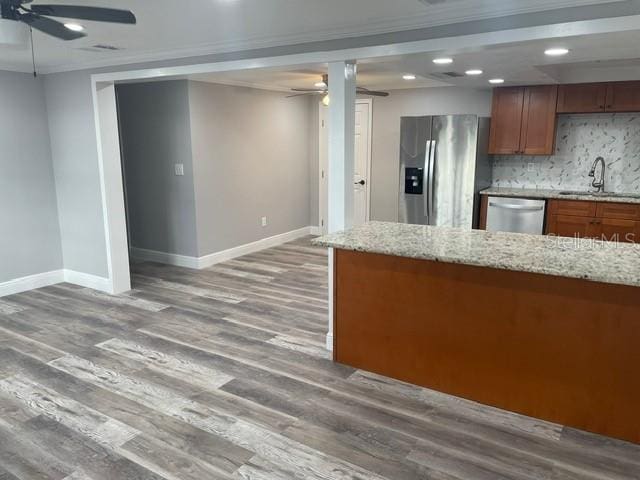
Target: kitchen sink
{"x":598,"y":194}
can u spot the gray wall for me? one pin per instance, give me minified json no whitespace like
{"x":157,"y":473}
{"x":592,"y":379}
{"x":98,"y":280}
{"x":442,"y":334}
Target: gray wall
{"x":386,"y":134}
{"x":74,"y":153}
{"x":155,"y":135}
{"x":251,"y":159}
{"x":29,"y":231}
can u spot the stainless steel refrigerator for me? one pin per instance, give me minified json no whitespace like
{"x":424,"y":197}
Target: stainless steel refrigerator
{"x":443,"y":166}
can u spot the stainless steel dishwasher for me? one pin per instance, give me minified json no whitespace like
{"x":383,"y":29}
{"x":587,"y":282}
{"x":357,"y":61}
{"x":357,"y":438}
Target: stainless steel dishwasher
{"x":520,"y":215}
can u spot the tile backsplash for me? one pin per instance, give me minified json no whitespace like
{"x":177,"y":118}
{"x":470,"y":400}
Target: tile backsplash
{"x":580,"y":139}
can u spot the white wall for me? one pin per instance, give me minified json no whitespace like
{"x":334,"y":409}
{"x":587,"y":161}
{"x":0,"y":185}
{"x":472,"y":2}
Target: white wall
{"x":385,"y":162}
{"x":251,"y":160}
{"x":29,"y":230}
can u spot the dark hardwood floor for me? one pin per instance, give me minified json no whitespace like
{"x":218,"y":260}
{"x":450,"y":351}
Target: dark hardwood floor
{"x":222,"y":374}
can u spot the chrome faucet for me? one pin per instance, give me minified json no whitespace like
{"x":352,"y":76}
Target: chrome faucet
{"x":599,"y":184}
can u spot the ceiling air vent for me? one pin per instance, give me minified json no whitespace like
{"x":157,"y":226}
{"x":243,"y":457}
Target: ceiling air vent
{"x":432,"y":2}
{"x":446,"y":75}
{"x":100,"y":48}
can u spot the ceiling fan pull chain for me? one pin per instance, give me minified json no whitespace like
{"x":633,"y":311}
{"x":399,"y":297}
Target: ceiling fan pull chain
{"x":33,"y":53}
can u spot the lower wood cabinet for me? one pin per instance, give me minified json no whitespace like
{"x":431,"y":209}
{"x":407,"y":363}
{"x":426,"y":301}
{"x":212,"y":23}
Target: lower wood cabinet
{"x":569,"y":226}
{"x":617,"y":222}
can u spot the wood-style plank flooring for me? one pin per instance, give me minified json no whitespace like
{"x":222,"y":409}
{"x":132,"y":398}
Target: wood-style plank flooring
{"x":222,"y":374}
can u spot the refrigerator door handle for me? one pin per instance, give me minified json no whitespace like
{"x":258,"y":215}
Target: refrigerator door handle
{"x":432,"y":167}
{"x":426,"y":181}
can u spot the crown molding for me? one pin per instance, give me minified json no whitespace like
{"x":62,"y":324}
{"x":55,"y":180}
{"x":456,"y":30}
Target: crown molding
{"x":434,"y":16}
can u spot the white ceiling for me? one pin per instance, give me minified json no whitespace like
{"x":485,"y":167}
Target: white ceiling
{"x":172,"y":29}
{"x":606,"y":57}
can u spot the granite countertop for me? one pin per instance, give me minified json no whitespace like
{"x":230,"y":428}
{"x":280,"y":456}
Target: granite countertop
{"x":607,"y":262}
{"x":573,"y":195}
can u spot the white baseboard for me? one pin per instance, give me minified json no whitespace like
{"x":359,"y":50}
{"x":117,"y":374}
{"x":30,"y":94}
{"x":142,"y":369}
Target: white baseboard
{"x":31,"y":282}
{"x":145,"y":255}
{"x":329,"y":342}
{"x":213,"y":259}
{"x":226,"y":255}
{"x":46,"y":279}
{"x":89,"y":281}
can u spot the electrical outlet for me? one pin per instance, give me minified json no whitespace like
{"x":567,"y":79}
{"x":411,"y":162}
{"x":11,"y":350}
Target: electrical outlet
{"x":179,"y":169}
{"x":531,"y":167}
{"x":264,"y":221}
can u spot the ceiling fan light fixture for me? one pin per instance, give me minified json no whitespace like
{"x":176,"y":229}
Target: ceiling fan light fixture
{"x":326,"y":100}
{"x":74,"y":27}
{"x":320,"y":85}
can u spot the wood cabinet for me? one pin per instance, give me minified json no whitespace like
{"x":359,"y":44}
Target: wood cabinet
{"x":623,"y":97}
{"x":582,"y":98}
{"x":618,"y":222}
{"x":573,"y":208}
{"x":599,"y":97}
{"x":523,"y":120}
{"x":506,"y":120}
{"x":569,"y":226}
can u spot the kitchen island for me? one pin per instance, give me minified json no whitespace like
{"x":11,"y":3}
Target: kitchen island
{"x":546,"y":327}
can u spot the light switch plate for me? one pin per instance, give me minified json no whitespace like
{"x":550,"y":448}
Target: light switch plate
{"x":179,"y":167}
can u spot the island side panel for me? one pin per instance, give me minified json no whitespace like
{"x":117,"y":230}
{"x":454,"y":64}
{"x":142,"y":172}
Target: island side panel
{"x":558,"y":349}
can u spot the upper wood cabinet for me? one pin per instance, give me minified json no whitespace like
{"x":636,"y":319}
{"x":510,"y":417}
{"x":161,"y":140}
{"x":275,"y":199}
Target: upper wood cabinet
{"x":623,"y":97}
{"x":523,"y":120}
{"x":506,"y":120}
{"x":582,"y":98}
{"x":599,"y":97}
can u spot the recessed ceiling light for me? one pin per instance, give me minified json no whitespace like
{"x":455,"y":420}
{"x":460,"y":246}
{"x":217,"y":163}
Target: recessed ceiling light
{"x":75,"y":27}
{"x":409,"y":76}
{"x":496,"y":80}
{"x":474,"y":71}
{"x":443,"y":61}
{"x":556,"y":52}
{"x":320,"y":85}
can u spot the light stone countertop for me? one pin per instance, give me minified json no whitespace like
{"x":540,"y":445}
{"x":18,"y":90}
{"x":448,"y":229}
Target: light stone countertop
{"x":594,"y":260}
{"x":556,"y":194}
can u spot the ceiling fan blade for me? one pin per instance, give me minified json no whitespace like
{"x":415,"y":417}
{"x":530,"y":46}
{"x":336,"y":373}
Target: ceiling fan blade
{"x":97,"y":14}
{"x":300,"y":95}
{"x":50,"y":27}
{"x":308,"y":90}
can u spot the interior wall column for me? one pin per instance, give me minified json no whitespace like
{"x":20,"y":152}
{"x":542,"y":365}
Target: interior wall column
{"x":342,"y":120}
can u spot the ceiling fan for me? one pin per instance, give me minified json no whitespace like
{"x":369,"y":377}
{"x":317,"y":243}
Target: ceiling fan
{"x":36,"y":16}
{"x":323,"y":89}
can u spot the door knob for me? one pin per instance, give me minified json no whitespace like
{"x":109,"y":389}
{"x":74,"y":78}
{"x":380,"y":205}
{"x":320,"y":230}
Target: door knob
{"x":361,"y":182}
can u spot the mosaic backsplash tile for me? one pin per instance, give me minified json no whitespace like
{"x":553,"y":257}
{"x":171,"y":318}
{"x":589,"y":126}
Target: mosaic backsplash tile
{"x":580,"y":139}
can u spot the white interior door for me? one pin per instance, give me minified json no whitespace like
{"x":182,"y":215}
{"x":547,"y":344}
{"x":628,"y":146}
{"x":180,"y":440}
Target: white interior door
{"x":361,"y":163}
{"x":361,"y":181}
